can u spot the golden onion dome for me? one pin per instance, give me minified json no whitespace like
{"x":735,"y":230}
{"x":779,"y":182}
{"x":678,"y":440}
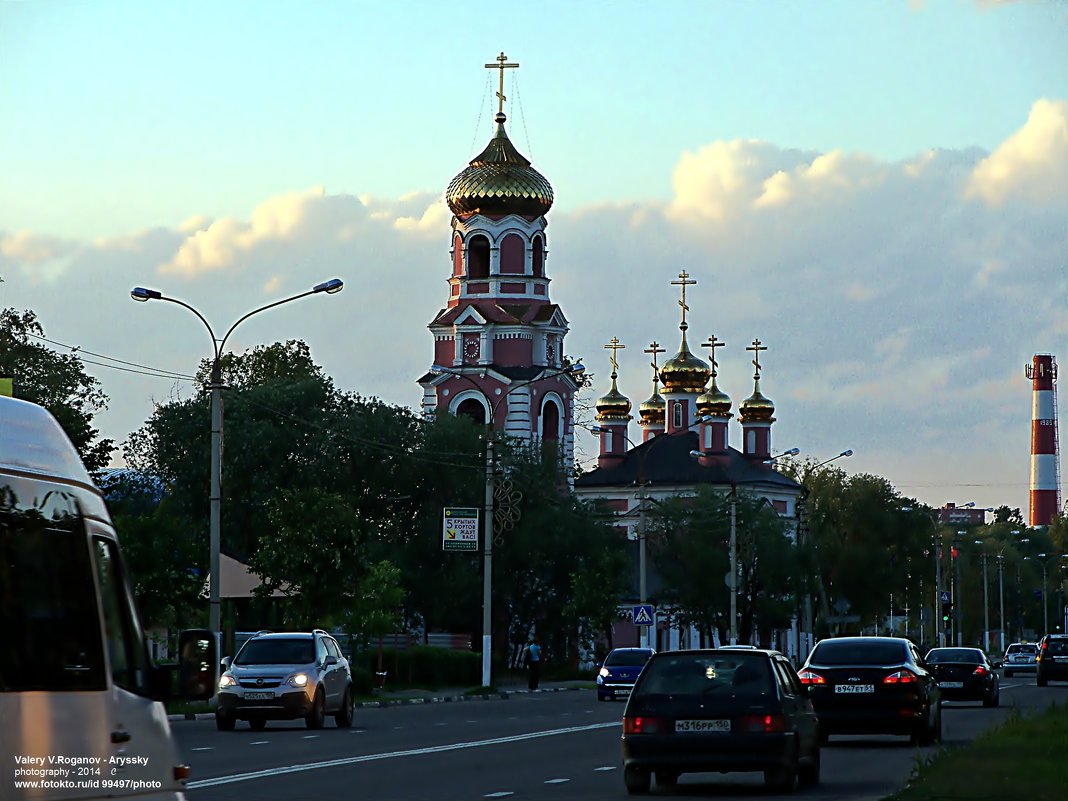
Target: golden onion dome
{"x":715,"y":402}
{"x":653,"y":410}
{"x":756,"y":408}
{"x":499,"y":180}
{"x":614,"y":405}
{"x":685,"y":372}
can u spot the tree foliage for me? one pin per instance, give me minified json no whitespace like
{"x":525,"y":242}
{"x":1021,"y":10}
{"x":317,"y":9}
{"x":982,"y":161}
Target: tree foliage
{"x":56,"y":381}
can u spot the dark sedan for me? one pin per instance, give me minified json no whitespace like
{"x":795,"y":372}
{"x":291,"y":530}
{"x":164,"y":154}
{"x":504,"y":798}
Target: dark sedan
{"x":964,"y":674}
{"x":873,"y":685}
{"x":620,"y":670}
{"x":713,"y":710}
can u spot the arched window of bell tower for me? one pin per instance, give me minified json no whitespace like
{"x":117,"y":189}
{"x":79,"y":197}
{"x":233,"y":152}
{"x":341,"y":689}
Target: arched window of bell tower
{"x":513,"y":255}
{"x":457,"y":256}
{"x":538,"y":258}
{"x":478,"y":257}
{"x":550,"y":422}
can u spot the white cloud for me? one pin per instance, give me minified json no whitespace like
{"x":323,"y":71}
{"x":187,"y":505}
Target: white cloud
{"x":1032,"y":164}
{"x":30,"y":249}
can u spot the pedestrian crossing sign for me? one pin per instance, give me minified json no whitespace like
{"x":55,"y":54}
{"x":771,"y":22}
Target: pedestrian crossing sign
{"x":643,"y":615}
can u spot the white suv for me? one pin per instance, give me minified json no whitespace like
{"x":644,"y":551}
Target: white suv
{"x":284,"y":676}
{"x":1021,"y":657}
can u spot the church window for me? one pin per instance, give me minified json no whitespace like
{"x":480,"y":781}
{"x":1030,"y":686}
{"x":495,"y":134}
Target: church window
{"x":513,"y":255}
{"x":457,"y":256}
{"x":473,"y":409}
{"x":478,"y":257}
{"x":538,"y":258}
{"x":550,"y":422}
{"x":676,"y":415}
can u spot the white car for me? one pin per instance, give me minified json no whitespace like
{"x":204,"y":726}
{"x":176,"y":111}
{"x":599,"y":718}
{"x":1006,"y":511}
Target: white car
{"x":1021,"y":657}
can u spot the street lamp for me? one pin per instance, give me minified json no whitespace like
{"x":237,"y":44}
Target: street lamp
{"x":642,"y":538}
{"x":732,"y":629}
{"x":986,"y":597}
{"x":487,"y":548}
{"x":828,"y":461}
{"x":1001,"y":601}
{"x":142,"y":295}
{"x":791,"y":452}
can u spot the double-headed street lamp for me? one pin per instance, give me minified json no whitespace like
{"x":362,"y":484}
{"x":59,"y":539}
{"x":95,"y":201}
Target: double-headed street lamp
{"x":140,"y":294}
{"x":642,"y":483}
{"x":487,"y":548}
{"x":986,"y":596}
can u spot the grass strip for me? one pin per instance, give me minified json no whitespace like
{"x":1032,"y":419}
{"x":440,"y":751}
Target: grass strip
{"x":1023,"y":759}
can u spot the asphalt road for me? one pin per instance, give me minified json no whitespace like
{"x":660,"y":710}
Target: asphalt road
{"x":539,"y":747}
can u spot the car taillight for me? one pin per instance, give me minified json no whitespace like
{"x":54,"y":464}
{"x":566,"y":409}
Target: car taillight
{"x":808,"y":677}
{"x":764,"y":723}
{"x":980,"y":671}
{"x":644,"y":724}
{"x":901,"y":677}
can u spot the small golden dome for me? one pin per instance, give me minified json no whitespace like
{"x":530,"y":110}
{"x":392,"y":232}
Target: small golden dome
{"x":685,"y":372}
{"x":715,"y":402}
{"x":614,"y":405}
{"x":652,"y":411}
{"x":756,"y":408}
{"x":499,"y":180}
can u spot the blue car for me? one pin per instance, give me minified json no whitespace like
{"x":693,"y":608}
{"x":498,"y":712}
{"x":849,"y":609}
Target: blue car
{"x":619,"y":671}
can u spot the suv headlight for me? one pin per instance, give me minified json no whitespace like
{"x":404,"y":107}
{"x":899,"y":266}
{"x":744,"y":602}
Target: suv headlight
{"x":604,"y":673}
{"x":298,"y":680}
{"x":226,"y":680}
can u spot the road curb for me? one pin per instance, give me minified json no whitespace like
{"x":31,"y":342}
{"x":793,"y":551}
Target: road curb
{"x":387,"y":702}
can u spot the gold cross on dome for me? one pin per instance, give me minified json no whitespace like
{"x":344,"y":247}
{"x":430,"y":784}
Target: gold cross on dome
{"x":502,"y":64}
{"x":654,"y":348}
{"x":613,"y":346}
{"x":712,"y":344}
{"x":756,"y":347}
{"x":684,"y":281}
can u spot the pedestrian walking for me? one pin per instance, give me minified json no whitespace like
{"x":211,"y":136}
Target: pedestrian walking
{"x":533,"y":664}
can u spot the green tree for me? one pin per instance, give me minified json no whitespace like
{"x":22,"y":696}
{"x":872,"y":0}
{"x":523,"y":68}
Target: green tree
{"x":56,"y":381}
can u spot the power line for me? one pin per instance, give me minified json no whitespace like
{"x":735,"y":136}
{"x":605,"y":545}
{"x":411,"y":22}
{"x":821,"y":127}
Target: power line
{"x":158,"y":371}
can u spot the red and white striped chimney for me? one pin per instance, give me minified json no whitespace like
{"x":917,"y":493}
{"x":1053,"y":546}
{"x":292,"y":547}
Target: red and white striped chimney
{"x":1045,"y":483}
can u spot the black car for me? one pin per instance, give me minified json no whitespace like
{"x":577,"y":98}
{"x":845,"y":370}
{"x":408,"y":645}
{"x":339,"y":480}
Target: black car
{"x":712,"y":710}
{"x":964,"y":674}
{"x":1052,"y":659}
{"x":873,"y":685}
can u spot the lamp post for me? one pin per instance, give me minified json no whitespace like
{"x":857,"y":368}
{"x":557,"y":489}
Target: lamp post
{"x":732,"y":628}
{"x":487,"y":547}
{"x":142,"y":295}
{"x":1001,"y":602}
{"x":986,"y":598}
{"x":809,"y":612}
{"x":642,"y":482}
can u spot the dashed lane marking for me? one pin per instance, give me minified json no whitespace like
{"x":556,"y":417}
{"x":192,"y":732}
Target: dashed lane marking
{"x":499,"y":794}
{"x":437,"y":749}
{"x":261,"y":742}
{"x":556,"y":781}
{"x":203,"y":748}
{"x":606,"y":767}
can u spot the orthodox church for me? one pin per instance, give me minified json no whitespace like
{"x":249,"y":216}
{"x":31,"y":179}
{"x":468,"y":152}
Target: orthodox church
{"x":499,"y":342}
{"x":684,"y":443}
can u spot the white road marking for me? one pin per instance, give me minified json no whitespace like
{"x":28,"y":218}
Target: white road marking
{"x":606,"y":767}
{"x":311,"y":736}
{"x":500,"y":794}
{"x":261,"y":742}
{"x":437,"y":749}
{"x":556,"y":781}
{"x":472,"y":721}
{"x":441,"y":723}
{"x":205,"y":748}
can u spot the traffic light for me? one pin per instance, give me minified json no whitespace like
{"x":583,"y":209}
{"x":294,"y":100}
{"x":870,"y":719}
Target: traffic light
{"x":947,"y":614}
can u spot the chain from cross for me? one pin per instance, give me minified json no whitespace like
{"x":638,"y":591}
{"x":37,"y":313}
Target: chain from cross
{"x":654,"y":348}
{"x":684,"y":281}
{"x":615,"y":345}
{"x":502,"y":64}
{"x":756,"y":347}
{"x":712,"y":344}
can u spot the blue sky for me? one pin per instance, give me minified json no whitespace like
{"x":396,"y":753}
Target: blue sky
{"x":875,"y":189}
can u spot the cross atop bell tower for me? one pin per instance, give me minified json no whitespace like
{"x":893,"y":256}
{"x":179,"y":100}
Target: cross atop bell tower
{"x":502,"y":64}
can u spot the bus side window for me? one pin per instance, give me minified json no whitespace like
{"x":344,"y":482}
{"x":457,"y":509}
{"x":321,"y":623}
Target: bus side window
{"x":125,"y":643}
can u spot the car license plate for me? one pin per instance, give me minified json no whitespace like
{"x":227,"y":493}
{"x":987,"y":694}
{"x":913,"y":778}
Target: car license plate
{"x":259,"y":696}
{"x":622,"y":691}
{"x":701,"y":725}
{"x":951,"y":685}
{"x":854,"y":688}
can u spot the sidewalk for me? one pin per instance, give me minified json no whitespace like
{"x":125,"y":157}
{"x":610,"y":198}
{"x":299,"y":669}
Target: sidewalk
{"x":506,"y":689}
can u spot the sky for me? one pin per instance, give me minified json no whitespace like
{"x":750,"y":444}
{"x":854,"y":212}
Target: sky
{"x":876,"y":190}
